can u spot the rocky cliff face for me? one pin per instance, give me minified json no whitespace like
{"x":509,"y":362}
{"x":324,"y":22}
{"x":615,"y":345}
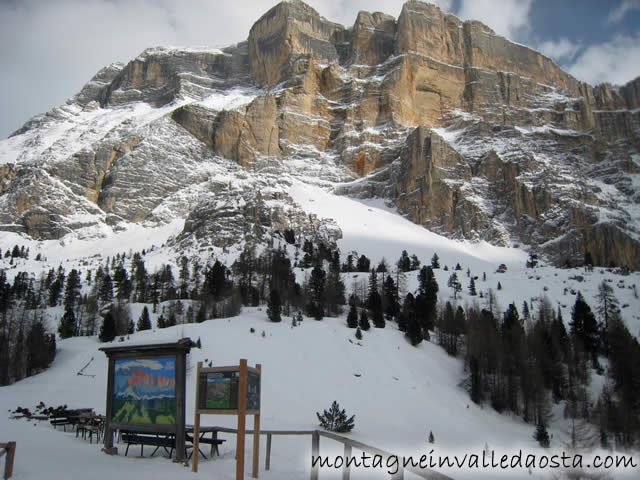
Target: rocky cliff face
{"x":465,"y":132}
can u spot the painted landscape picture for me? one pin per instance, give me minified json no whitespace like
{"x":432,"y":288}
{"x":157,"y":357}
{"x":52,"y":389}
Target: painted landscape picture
{"x":144,"y":391}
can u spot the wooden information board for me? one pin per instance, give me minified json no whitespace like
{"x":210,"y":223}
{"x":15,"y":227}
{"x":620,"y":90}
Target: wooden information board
{"x":233,"y":390}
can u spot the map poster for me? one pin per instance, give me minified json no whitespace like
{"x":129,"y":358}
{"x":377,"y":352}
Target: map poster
{"x":253,"y":391}
{"x":218,"y":390}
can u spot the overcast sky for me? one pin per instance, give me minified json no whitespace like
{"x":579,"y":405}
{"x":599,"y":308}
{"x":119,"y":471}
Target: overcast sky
{"x":50,"y":48}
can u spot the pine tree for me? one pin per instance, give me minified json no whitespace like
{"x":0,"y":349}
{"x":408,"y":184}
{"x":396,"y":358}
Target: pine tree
{"x":144,"y":322}
{"x":68,"y":325}
{"x":427,"y":299}
{"x":364,"y":320}
{"x":5,"y":361}
{"x":435,"y":261}
{"x":415,"y":262}
{"x":336,"y":420}
{"x":40,"y":349}
{"x":542,"y":436}
{"x":584,"y":326}
{"x":274,"y":309}
{"x":454,"y":284}
{"x":201,"y":316}
{"x":108,"y":328}
{"x":317,"y":281}
{"x":472,"y":287}
{"x":390,"y":298}
{"x":431,"y":438}
{"x":72,"y":289}
{"x":106,"y":289}
{"x":352,"y":317}
{"x":607,"y":309}
{"x":404,"y":262}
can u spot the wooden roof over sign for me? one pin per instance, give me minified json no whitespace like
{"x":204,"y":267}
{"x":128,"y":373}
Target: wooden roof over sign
{"x":182,"y":345}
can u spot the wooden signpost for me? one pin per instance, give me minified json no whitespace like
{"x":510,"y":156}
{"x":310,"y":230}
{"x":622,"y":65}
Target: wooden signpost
{"x":233,"y":390}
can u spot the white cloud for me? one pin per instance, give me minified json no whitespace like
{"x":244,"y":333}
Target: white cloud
{"x":562,"y":51}
{"x":143,"y":363}
{"x":509,"y":18}
{"x":616,"y":61}
{"x":619,"y":13}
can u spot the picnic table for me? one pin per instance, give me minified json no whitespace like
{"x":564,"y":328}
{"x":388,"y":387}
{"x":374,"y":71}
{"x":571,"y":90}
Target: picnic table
{"x":166,"y":441}
{"x":212,"y":440}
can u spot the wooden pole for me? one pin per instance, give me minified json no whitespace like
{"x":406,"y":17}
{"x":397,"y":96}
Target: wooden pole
{"x":315,"y":452}
{"x":256,"y":439}
{"x":8,"y":465}
{"x":242,"y":409}
{"x":108,"y":432}
{"x":195,"y":453}
{"x":181,"y":394}
{"x":267,"y":460}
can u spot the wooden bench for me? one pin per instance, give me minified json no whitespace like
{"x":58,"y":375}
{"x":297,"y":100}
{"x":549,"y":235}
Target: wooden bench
{"x":90,"y":428}
{"x":166,"y":441}
{"x":61,"y":422}
{"x":214,"y":442}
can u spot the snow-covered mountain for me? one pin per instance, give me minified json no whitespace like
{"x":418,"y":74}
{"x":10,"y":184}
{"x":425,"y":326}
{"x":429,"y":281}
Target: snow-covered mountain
{"x":422,"y":133}
{"x":461,"y":130}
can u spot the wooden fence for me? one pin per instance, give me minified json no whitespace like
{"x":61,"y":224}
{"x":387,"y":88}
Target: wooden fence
{"x":8,"y":449}
{"x":349,"y":446}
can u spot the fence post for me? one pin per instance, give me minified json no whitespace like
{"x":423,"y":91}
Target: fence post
{"x":267,"y":460}
{"x":315,"y":453}
{"x":346,"y":469}
{"x":399,"y":475}
{"x":8,"y":465}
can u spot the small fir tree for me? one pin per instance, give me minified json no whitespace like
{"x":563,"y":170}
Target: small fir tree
{"x":542,"y":436}
{"x":431,"y":437}
{"x":108,"y":328}
{"x":364,"y":320}
{"x":67,"y":326}
{"x":144,"y":322}
{"x":472,"y":287}
{"x":352,"y":317}
{"x":336,"y":420}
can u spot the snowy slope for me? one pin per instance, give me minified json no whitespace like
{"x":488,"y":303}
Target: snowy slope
{"x":401,"y":392}
{"x":400,"y":395}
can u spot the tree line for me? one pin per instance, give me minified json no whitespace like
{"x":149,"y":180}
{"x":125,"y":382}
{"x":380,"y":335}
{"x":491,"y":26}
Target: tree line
{"x":521,"y":360}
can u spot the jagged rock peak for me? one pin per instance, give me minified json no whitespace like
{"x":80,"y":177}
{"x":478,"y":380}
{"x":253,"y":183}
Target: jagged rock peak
{"x":290,"y":27}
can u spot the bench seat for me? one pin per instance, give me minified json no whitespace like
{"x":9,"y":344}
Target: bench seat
{"x":168,"y":442}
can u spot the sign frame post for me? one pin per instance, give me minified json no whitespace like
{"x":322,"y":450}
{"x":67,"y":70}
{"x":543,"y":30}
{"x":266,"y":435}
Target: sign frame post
{"x":239,"y":394}
{"x":176,"y":354}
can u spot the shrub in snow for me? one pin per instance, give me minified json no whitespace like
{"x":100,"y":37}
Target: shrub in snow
{"x":542,"y":436}
{"x":335,"y":420}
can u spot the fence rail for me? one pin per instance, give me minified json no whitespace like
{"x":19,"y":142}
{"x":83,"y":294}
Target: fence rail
{"x":349,"y":446}
{"x":8,"y":449}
